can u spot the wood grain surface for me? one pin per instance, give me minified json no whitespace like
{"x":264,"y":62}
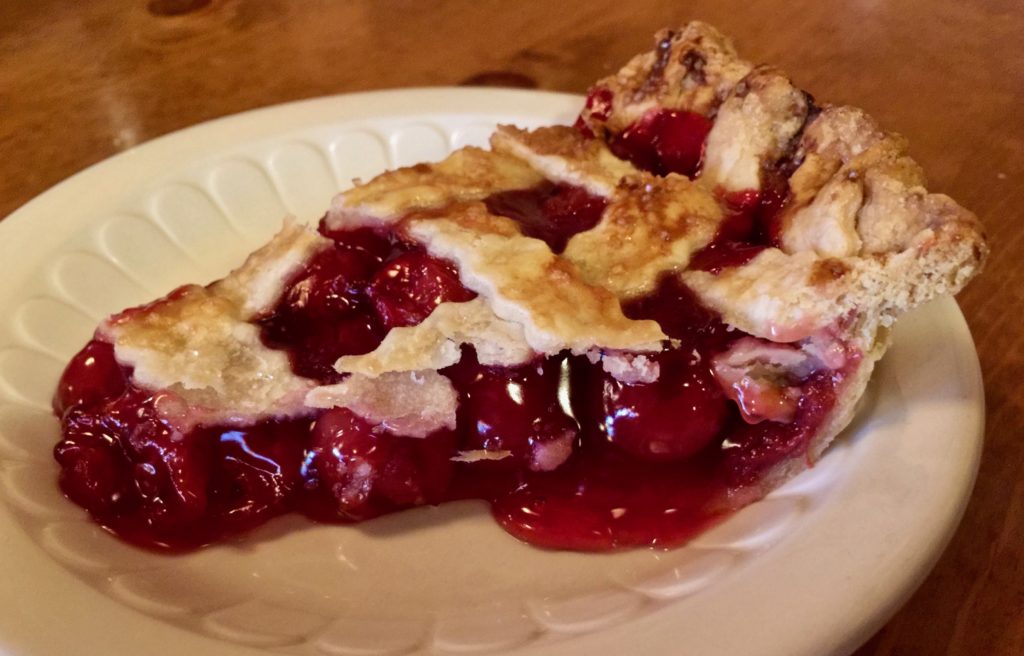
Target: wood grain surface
{"x":83,"y":80}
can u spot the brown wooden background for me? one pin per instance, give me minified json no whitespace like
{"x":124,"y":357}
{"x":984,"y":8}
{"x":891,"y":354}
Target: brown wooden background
{"x":81,"y":80}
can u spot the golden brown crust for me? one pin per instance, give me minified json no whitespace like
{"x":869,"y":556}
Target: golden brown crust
{"x":785,"y":297}
{"x":563,"y":154}
{"x":652,"y":225}
{"x":859,"y":235}
{"x":254,"y":287}
{"x":434,"y":343}
{"x":467,"y":174}
{"x":858,"y":209}
{"x":199,"y":342}
{"x":413,"y":404}
{"x":525,"y":283}
{"x":753,"y":130}
{"x":860,"y":241}
{"x":692,"y":68}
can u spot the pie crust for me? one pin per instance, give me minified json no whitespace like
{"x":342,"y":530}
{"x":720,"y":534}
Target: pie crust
{"x":838,"y":237}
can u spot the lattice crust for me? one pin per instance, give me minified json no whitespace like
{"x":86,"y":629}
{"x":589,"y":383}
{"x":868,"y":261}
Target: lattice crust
{"x":198,"y":342}
{"x":541,"y":303}
{"x":524,"y":282}
{"x":787,"y":297}
{"x":413,"y":404}
{"x":434,"y":343}
{"x":860,"y":241}
{"x":753,"y":129}
{"x":693,"y":69}
{"x":651,"y":224}
{"x":562,"y":154}
{"x":860,"y":234}
{"x":467,"y":174}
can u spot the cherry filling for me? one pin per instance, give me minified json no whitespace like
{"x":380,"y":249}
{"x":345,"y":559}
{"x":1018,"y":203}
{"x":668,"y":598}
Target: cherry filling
{"x":349,"y":296}
{"x":519,"y":415}
{"x":92,"y":376}
{"x":568,"y":455}
{"x":664,"y":141}
{"x":672,"y":141}
{"x":355,"y":470}
{"x":551,"y":212}
{"x":751,"y":225}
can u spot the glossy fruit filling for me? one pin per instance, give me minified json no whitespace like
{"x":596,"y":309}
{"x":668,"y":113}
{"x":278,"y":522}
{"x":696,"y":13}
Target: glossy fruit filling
{"x":751,"y":224}
{"x":550,"y":212}
{"x":573,"y":457}
{"x":664,"y":141}
{"x":566,"y":454}
{"x":349,"y":296}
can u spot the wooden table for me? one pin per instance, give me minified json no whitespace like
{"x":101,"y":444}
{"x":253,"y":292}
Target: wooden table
{"x":80,"y":81}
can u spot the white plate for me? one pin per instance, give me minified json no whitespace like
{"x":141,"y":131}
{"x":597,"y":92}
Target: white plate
{"x":812,"y":570}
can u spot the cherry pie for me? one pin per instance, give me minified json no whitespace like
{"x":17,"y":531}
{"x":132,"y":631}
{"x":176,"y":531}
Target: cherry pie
{"x":615,"y":333}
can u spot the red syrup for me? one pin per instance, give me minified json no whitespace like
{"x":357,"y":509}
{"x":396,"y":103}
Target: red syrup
{"x":349,"y":296}
{"x":667,"y":141}
{"x":740,"y":238}
{"x":605,"y":497}
{"x":664,"y":141}
{"x":550,"y":212}
{"x":590,"y":463}
{"x":616,"y":491}
{"x":751,"y":225}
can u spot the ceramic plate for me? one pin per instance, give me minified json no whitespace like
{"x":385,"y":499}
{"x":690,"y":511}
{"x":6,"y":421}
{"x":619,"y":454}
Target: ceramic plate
{"x":813,"y":569}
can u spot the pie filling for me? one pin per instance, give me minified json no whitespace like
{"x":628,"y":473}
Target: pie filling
{"x":567,"y":454}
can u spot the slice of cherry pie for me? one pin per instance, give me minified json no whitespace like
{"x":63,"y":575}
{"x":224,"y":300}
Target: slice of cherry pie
{"x":616,"y":333}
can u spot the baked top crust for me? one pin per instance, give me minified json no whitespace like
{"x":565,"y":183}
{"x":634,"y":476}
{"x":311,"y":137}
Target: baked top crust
{"x":200,"y":343}
{"x":860,"y":233}
{"x":860,"y":241}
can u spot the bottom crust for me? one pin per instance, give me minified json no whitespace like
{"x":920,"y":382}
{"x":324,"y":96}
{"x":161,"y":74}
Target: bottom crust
{"x":848,"y":403}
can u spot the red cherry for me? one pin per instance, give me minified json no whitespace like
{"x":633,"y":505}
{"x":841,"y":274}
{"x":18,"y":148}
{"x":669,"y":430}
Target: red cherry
{"x":92,"y":376}
{"x":515,"y":409}
{"x":637,"y":143}
{"x":256,"y":470}
{"x":664,"y":141}
{"x":669,"y":419}
{"x":332,"y":285}
{"x":680,"y":141}
{"x":409,"y":287}
{"x":94,"y":471}
{"x":344,"y":456}
{"x":125,"y":447}
{"x":324,"y":342}
{"x":366,"y":471}
{"x":325,"y":314}
{"x":172,"y":468}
